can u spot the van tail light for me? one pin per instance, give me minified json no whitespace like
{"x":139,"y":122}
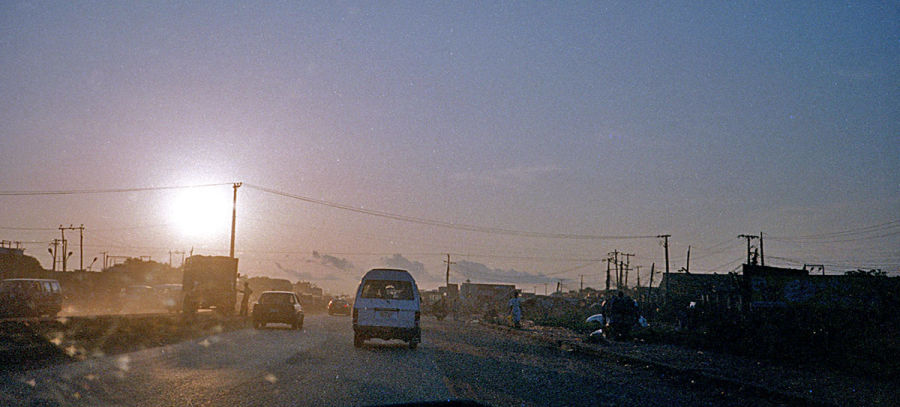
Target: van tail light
{"x":355,"y":316}
{"x":417,"y":318}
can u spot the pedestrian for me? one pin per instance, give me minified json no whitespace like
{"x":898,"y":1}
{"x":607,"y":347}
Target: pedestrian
{"x":245,"y":300}
{"x":515,"y":309}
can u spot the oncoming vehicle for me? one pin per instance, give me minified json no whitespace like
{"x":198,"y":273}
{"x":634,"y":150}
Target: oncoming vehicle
{"x":30,"y":297}
{"x":387,"y":307}
{"x":278,"y":307}
{"x":338,"y":306}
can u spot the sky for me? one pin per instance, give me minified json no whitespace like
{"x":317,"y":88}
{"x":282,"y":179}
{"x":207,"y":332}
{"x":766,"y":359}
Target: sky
{"x":366,"y":133}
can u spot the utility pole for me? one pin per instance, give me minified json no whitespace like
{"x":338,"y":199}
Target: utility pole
{"x":81,"y":247}
{"x":666,"y":246}
{"x":234,"y":215}
{"x":62,"y":232}
{"x":607,"y":274}
{"x":627,"y":266}
{"x":687,"y":266}
{"x":448,"y":270}
{"x":104,"y":259}
{"x":55,"y":243}
{"x":650,"y":287}
{"x":581,"y":287}
{"x":637,"y":271}
{"x":65,"y":245}
{"x":762,"y":254}
{"x":749,"y":238}
{"x":615,"y":254}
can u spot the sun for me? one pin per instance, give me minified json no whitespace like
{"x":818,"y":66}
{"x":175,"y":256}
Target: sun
{"x":201,"y":212}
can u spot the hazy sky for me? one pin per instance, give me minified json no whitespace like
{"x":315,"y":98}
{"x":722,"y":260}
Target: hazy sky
{"x":700,"y":120}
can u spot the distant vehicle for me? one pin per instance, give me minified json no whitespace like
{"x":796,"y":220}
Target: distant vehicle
{"x":278,"y":307}
{"x":338,"y":306}
{"x":210,"y":282}
{"x":30,"y":297}
{"x":387,"y":307}
{"x":170,"y":296}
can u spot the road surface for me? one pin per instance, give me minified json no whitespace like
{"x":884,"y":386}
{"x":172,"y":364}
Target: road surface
{"x":320,"y":366}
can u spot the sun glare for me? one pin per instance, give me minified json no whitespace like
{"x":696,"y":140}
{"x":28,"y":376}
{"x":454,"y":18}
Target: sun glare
{"x":201,"y":212}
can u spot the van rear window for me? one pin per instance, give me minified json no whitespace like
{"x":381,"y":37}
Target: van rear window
{"x":388,"y":290}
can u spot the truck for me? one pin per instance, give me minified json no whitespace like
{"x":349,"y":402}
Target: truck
{"x":210,"y":282}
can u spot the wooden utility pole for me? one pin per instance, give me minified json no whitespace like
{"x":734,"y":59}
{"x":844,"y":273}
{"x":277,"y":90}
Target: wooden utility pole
{"x":627,"y":267}
{"x":81,"y":247}
{"x":55,"y":243}
{"x":607,"y":274}
{"x":236,"y":185}
{"x":687,"y":266}
{"x":762,"y":254}
{"x":749,"y":238}
{"x":666,"y":246}
{"x":65,"y":245}
{"x":62,"y":233}
{"x":650,"y":287}
{"x":581,"y":287}
{"x":448,"y":269}
{"x":615,"y":254}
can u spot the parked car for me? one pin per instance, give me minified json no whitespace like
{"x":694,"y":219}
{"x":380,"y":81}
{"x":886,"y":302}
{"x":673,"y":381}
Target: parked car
{"x":278,"y":307}
{"x":338,"y":306}
{"x":387,"y":307}
{"x":30,"y":297}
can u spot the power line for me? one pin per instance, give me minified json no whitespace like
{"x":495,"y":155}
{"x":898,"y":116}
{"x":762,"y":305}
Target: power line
{"x":844,"y":233}
{"x":889,"y":234}
{"x":436,"y":223}
{"x":105,"y":191}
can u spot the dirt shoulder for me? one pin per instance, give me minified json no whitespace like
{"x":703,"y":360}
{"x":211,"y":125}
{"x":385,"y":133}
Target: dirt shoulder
{"x":35,"y":344}
{"x":812,"y":384}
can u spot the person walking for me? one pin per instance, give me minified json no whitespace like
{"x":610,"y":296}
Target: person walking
{"x":245,"y":300}
{"x":515,"y":309}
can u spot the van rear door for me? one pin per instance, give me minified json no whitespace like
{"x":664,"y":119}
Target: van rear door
{"x":387,"y":303}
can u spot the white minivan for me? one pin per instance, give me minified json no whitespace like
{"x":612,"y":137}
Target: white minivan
{"x":387,"y":307}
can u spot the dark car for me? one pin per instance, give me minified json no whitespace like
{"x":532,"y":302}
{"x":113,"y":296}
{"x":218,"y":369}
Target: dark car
{"x":30,"y":297}
{"x":278,"y":307}
{"x":338,"y":306}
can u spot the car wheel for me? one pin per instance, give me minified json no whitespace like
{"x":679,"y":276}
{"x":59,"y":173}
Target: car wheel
{"x":358,"y":341}
{"x":300,"y":324}
{"x":413,"y":343}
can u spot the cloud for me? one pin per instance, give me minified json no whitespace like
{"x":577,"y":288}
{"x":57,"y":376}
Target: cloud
{"x":297,"y":275}
{"x":415,"y":268}
{"x":481,"y":273}
{"x":338,"y":263}
{"x":514,"y":175}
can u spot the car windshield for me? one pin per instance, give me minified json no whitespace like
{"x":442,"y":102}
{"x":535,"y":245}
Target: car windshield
{"x":588,"y":202}
{"x":387,"y":289}
{"x":275,"y":298}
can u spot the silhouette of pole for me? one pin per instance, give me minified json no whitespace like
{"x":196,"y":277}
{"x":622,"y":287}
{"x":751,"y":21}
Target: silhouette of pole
{"x":234,"y":216}
{"x":666,"y":246}
{"x":607,"y":274}
{"x":448,"y":269}
{"x":762,"y":254}
{"x":749,"y":238}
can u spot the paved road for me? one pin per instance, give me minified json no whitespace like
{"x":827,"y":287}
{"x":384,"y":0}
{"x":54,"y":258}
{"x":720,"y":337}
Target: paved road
{"x":320,"y":366}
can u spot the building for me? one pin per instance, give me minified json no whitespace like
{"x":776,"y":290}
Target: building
{"x":479,"y":298}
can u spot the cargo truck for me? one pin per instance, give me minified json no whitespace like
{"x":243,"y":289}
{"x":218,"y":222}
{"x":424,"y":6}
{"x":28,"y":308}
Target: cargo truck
{"x":210,"y":282}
